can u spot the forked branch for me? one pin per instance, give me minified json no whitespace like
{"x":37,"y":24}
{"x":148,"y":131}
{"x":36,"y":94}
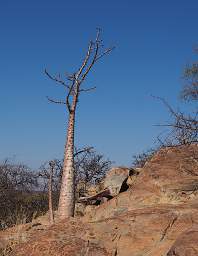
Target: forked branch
{"x":74,"y":82}
{"x":57,"y":79}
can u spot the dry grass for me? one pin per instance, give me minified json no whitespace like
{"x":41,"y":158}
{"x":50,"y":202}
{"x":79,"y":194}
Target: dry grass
{"x":8,"y":249}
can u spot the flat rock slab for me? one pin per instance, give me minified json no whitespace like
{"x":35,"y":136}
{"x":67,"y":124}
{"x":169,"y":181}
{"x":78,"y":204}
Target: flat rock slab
{"x":70,"y":237}
{"x":186,"y":244}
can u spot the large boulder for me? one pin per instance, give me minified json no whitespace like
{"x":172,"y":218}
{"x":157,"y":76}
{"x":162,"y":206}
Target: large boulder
{"x":114,"y":179}
{"x":170,"y":177}
{"x":115,"y":182}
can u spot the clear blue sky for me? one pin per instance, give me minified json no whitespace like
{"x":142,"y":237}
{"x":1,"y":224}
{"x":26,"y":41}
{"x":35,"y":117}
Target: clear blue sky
{"x":154,"y":39}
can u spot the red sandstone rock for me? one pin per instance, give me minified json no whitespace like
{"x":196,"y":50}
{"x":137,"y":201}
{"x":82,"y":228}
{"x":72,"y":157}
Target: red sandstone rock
{"x":186,"y":244}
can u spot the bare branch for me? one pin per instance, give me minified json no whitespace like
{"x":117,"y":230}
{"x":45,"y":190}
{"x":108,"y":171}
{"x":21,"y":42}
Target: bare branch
{"x":107,"y":51}
{"x":166,"y":104}
{"x":88,"y":89}
{"x":177,"y":126}
{"x":98,"y":34}
{"x":90,"y":48}
{"x":91,"y":64}
{"x":95,"y":58}
{"x":70,"y":77}
{"x":88,"y":149}
{"x":55,"y":101}
{"x":57,"y":79}
{"x":184,"y":127}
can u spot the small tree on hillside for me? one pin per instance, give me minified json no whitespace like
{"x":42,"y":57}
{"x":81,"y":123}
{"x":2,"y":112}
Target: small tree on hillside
{"x":184,"y":125}
{"x":190,"y":89}
{"x":73,"y":86}
{"x":20,"y":199}
{"x":140,"y":159}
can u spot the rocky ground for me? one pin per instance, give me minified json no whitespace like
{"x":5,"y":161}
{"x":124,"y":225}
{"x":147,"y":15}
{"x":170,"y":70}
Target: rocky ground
{"x":156,"y":216}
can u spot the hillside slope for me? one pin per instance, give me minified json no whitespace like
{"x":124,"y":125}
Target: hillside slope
{"x":156,"y":216}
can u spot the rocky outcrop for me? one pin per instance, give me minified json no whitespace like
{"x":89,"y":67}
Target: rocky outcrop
{"x":152,"y":231}
{"x":114,"y":183}
{"x":170,"y":177}
{"x":115,"y":178}
{"x":186,"y":244}
{"x":156,"y":216}
{"x":149,"y":231}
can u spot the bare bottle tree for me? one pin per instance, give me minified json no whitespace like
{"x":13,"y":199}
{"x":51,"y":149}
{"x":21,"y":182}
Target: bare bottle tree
{"x":73,"y":85}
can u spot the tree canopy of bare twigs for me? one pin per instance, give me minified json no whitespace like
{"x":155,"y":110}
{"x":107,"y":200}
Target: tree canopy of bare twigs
{"x":140,"y":159}
{"x":91,"y":167}
{"x":190,"y":89}
{"x":184,"y":126}
{"x":20,"y":198}
{"x":17,"y":177}
{"x":73,"y":82}
{"x":44,"y":175}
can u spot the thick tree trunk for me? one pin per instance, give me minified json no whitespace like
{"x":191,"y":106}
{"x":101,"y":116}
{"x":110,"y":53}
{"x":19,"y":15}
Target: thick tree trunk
{"x":67,"y":192}
{"x":51,"y":214}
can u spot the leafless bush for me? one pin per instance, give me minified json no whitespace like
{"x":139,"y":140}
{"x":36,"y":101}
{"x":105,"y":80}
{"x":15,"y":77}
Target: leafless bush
{"x":19,"y":198}
{"x":183,"y":127}
{"x":190,"y":89}
{"x":140,"y":159}
{"x":91,"y":167}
